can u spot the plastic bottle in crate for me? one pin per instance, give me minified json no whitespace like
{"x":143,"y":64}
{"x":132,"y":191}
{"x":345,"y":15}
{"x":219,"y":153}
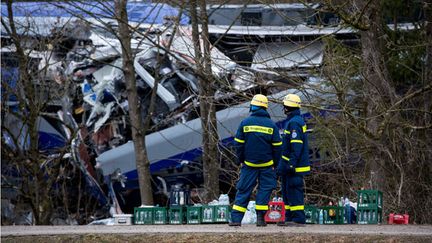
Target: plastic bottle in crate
{"x":142,"y":217}
{"x":321,"y":217}
{"x":158,"y":216}
{"x":207,"y":214}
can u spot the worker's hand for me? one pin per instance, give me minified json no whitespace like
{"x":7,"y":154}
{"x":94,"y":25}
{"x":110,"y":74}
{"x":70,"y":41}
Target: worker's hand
{"x":291,"y":170}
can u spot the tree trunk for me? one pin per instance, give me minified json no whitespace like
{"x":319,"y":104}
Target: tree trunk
{"x":211,"y":167}
{"x":207,"y":106}
{"x":35,"y":188}
{"x":138,"y":135}
{"x":379,"y":93}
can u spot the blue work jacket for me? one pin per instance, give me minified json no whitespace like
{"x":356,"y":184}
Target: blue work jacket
{"x":258,"y":140}
{"x":295,"y":149}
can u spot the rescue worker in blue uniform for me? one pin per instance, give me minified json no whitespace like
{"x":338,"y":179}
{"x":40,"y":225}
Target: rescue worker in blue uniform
{"x":294,"y":162}
{"x":258,"y":150}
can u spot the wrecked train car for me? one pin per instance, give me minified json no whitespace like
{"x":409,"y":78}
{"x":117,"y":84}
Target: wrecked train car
{"x":99,"y":101}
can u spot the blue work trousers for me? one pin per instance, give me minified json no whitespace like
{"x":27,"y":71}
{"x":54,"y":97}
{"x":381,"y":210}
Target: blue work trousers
{"x":293,"y":197}
{"x":249,"y":176}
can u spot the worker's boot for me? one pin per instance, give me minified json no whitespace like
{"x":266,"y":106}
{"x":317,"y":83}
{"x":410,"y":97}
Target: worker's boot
{"x":260,"y":219}
{"x":237,"y":224}
{"x":282,"y":223}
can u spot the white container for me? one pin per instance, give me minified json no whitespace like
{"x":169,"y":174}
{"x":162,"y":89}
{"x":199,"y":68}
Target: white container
{"x":122,"y":219}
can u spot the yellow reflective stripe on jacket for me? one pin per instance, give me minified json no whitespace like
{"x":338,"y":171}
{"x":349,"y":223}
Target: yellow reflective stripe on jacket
{"x":261,"y":207}
{"x":304,"y":128}
{"x":287,"y":132}
{"x":277,"y":144}
{"x":285,"y":158}
{"x":239,"y":140}
{"x":302,"y":169}
{"x":296,"y":141}
{"x":261,"y":129}
{"x":259,"y":165}
{"x":297,"y":208}
{"x":287,"y":207}
{"x":240,"y":209}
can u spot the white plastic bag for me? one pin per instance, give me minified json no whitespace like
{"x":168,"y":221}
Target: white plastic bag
{"x":250,"y":216}
{"x":224,"y":199}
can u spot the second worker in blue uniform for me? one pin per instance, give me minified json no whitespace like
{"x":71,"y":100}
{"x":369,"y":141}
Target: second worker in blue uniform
{"x":294,"y":163}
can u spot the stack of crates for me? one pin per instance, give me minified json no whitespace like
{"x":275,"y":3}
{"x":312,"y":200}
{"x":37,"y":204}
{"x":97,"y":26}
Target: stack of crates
{"x":150,"y":215}
{"x":311,"y":213}
{"x":215,"y":213}
{"x":333,"y":215}
{"x":369,"y":207}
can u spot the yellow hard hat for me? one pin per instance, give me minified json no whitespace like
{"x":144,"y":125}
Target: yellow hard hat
{"x":292,"y":100}
{"x":260,"y":100}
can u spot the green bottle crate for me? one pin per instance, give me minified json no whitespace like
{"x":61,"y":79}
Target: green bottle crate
{"x":143,"y":215}
{"x":311,"y":213}
{"x":369,"y":199}
{"x":176,"y":215}
{"x":333,"y":214}
{"x":369,"y":216}
{"x":208,"y":214}
{"x":222,"y":213}
{"x":193,"y":215}
{"x":160,"y":215}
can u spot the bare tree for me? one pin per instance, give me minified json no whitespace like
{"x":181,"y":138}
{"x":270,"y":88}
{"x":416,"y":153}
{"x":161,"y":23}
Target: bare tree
{"x":39,"y":176}
{"x":138,"y":133}
{"x":207,"y":104}
{"x":377,"y":142}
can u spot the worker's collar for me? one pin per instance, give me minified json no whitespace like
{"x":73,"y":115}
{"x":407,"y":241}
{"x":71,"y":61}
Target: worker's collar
{"x":260,"y":112}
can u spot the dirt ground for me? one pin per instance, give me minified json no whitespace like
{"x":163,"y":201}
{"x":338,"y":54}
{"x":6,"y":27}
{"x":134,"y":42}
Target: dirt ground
{"x":217,"y":233}
{"x":211,"y":237}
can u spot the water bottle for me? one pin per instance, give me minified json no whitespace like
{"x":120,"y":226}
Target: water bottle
{"x":176,"y":216}
{"x":142,"y":216}
{"x":182,"y":201}
{"x":321,"y":217}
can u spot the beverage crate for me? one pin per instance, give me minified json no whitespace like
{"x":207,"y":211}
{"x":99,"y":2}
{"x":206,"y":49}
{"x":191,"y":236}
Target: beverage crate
{"x":333,"y":214}
{"x":193,"y":215}
{"x":369,"y":199}
{"x":143,"y":215}
{"x":222,"y":213}
{"x":176,"y":214}
{"x":122,"y":219}
{"x":369,"y":216}
{"x":208,"y":214}
{"x":311,"y":213}
{"x":160,"y":215}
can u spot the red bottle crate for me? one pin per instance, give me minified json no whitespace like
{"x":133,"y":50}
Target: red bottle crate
{"x":276,"y":212}
{"x":398,"y":218}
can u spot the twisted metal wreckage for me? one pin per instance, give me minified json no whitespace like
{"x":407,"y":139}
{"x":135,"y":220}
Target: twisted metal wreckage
{"x":92,"y":61}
